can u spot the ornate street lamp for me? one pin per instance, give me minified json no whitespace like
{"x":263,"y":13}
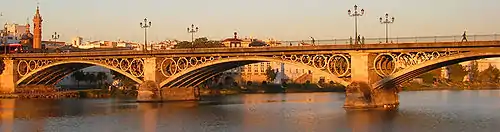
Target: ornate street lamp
{"x":55,"y":36}
{"x":146,"y":25}
{"x":387,"y":21}
{"x":192,"y":31}
{"x":356,"y":14}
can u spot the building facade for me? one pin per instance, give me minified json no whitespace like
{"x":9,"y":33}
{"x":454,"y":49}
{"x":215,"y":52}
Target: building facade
{"x":257,"y":72}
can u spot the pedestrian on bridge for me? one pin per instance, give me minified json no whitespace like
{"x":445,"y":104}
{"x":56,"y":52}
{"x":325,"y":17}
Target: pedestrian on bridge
{"x":464,"y":36}
{"x":350,"y":40}
{"x":313,"y":41}
{"x":358,"y":39}
{"x":363,"y":40}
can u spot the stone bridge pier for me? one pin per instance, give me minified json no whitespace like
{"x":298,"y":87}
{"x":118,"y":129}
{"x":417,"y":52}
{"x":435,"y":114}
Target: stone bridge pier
{"x":151,"y":90}
{"x":360,"y":93}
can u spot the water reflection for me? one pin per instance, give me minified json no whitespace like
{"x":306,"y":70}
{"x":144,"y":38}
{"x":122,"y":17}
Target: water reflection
{"x":7,"y":114}
{"x":419,"y":111}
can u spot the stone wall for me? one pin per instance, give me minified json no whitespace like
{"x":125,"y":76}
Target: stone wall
{"x":178,"y":94}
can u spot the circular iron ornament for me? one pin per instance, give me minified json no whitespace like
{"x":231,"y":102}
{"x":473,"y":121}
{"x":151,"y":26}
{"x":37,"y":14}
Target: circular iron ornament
{"x":384,"y":64}
{"x":23,"y":68}
{"x":115,"y":63}
{"x":193,"y":61}
{"x":305,"y":59}
{"x":283,"y":57}
{"x":435,"y":55}
{"x":136,"y":68}
{"x":108,"y":61}
{"x":125,"y":64}
{"x":211,"y":58}
{"x":203,"y":59}
{"x":339,"y":65}
{"x":168,"y":67}
{"x":319,"y":61}
{"x":294,"y":58}
{"x":405,"y":60}
{"x":32,"y":65}
{"x":182,"y":63}
{"x":40,"y":63}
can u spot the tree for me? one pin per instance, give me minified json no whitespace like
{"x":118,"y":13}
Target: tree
{"x":78,"y":76}
{"x":474,"y":71}
{"x":90,"y":77}
{"x":457,"y":73}
{"x":101,"y":76}
{"x":430,"y":76}
{"x":270,"y":74}
{"x":199,"y":43}
{"x":491,"y":74}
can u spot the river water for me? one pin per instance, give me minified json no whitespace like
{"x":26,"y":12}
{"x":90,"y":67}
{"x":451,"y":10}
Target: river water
{"x":420,"y":111}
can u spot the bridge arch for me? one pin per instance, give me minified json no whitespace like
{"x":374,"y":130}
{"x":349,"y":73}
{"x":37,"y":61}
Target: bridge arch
{"x":80,"y":64}
{"x":199,"y":73}
{"x":408,"y":73}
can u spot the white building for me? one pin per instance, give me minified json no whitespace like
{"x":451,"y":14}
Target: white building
{"x":77,"y":41}
{"x":15,"y":30}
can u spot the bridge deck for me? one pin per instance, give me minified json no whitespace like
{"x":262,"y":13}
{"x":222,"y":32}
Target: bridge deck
{"x":402,"y":47}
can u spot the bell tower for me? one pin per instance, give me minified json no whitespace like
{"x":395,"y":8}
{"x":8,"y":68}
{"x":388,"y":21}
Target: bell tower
{"x":37,"y":29}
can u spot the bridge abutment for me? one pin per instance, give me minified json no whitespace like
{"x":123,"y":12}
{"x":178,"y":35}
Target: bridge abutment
{"x":151,"y":92}
{"x":360,"y":94}
{"x":8,"y":76}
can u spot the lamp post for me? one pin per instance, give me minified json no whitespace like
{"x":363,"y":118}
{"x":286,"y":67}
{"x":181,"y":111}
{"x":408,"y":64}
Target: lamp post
{"x":387,"y":21}
{"x":55,"y":36}
{"x":2,"y":36}
{"x":192,"y":31}
{"x":356,"y":14}
{"x":146,"y":25}
{"x":3,"y":40}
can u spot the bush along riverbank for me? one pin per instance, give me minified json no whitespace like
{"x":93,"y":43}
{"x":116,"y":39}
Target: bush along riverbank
{"x":44,"y":92}
{"x":270,"y":88}
{"x":413,"y":86}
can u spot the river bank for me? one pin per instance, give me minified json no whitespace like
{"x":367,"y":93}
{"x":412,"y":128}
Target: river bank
{"x":449,"y":86}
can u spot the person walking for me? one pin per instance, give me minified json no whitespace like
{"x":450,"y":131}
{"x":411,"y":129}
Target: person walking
{"x":358,"y":39}
{"x":313,"y":41}
{"x":350,"y":40}
{"x":363,"y":40}
{"x":464,"y":36}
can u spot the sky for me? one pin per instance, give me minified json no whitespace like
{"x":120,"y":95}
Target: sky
{"x":279,"y":19}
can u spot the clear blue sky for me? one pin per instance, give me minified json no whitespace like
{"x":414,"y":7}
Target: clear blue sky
{"x":281,"y":19}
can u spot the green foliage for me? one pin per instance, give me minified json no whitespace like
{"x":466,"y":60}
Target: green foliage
{"x":457,"y":73}
{"x":474,"y":71}
{"x":428,"y":77}
{"x":78,"y":76}
{"x":491,"y":74}
{"x":101,"y":76}
{"x":199,"y":43}
{"x":91,"y":78}
{"x":270,"y":74}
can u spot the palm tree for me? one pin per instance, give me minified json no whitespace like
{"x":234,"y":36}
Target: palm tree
{"x":78,"y":76}
{"x":101,"y":76}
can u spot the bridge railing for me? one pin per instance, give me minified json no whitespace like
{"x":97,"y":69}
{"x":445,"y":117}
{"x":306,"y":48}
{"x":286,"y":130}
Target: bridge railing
{"x":399,"y":40}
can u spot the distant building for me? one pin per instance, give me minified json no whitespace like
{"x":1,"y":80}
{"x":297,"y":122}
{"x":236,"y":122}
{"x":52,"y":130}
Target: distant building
{"x":15,"y":30}
{"x":257,"y":72}
{"x":37,"y":29}
{"x":77,"y":41}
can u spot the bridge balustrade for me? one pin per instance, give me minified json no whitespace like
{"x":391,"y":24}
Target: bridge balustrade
{"x":399,"y":40}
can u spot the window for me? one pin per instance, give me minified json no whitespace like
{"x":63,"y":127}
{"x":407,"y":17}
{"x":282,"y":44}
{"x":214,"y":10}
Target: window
{"x":296,"y":70}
